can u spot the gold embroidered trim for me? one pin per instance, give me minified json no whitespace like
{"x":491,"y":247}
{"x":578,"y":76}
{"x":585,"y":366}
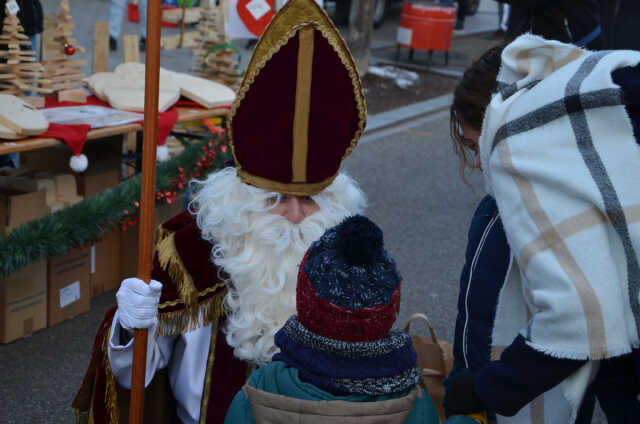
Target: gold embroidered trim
{"x":204,"y":405}
{"x":295,"y":15}
{"x":205,"y":312}
{"x":171,"y":262}
{"x":111,"y":392}
{"x":295,"y":189}
{"x":303,"y":105}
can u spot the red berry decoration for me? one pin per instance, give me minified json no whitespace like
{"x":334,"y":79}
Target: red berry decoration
{"x":69,"y":50}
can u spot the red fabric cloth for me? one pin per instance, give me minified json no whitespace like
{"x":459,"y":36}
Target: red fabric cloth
{"x":184,"y":102}
{"x":166,"y":121}
{"x":91,"y":100}
{"x":338,"y":323}
{"x":92,"y":390}
{"x":188,"y":103}
{"x":227,"y":378}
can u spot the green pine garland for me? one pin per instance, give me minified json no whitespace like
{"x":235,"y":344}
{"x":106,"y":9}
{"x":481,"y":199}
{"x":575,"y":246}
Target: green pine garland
{"x":88,"y":221}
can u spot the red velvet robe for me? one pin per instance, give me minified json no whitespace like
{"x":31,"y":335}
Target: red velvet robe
{"x":191,"y":285}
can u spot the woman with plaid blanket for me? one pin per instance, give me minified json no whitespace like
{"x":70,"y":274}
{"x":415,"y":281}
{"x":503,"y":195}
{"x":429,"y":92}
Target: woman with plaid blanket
{"x":500,"y":366}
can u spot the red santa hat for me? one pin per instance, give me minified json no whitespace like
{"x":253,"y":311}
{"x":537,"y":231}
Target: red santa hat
{"x":74,"y":136}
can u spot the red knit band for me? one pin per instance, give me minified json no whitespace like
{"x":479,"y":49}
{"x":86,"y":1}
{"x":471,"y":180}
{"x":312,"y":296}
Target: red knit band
{"x":338,"y":323}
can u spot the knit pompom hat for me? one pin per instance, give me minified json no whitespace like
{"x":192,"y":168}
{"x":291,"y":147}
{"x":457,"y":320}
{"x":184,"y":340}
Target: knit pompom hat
{"x":348,"y":285}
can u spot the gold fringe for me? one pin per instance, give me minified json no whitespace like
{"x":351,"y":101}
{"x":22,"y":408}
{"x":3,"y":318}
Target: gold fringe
{"x":204,"y":405}
{"x":161,"y":234}
{"x":111,"y":393}
{"x":204,"y":292}
{"x":170,"y":261}
{"x":192,"y":317}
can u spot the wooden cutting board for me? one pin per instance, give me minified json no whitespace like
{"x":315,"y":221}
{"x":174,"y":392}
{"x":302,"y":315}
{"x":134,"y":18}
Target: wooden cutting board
{"x":204,"y":92}
{"x":18,"y":119}
{"x":125,"y":91}
{"x":128,"y":94}
{"x":98,"y":81}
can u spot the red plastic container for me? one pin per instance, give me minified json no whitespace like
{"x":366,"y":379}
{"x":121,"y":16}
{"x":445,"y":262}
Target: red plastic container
{"x":426,"y":26}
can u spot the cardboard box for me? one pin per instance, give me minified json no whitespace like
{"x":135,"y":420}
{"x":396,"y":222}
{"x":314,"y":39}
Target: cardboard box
{"x":129,"y":252}
{"x":66,"y":189}
{"x":21,"y":203}
{"x":105,"y":264}
{"x":68,"y":289}
{"x":23,"y":302}
{"x":18,"y":207}
{"x":94,"y":181}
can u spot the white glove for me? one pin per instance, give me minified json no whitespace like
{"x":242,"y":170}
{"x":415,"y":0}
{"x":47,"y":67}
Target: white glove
{"x":138,"y":303}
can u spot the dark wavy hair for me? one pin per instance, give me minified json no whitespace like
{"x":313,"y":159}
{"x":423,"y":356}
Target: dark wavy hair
{"x":470,"y":99}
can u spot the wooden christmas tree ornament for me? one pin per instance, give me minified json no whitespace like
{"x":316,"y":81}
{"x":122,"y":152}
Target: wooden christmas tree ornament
{"x":63,"y":71}
{"x":20,"y":70}
{"x":215,"y":58}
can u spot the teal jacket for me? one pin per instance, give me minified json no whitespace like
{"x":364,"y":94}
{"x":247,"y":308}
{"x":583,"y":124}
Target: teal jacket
{"x":281,"y":379}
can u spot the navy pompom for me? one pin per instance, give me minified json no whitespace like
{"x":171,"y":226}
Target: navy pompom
{"x":349,"y":267}
{"x":359,"y":240}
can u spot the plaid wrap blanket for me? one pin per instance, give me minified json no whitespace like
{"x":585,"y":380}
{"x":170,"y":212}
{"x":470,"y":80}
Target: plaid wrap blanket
{"x":560,"y":158}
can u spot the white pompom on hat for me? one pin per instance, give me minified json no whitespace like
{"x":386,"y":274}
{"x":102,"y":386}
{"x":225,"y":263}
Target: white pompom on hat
{"x":79,"y":163}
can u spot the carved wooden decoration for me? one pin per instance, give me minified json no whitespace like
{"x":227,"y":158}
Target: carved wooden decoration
{"x":18,"y":119}
{"x":63,"y":71}
{"x":20,"y":69}
{"x":215,"y":58}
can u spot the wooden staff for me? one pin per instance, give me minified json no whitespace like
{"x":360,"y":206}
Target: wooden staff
{"x":147,"y":197}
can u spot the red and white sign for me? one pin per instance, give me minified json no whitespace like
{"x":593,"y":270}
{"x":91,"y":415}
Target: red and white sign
{"x":249,"y":18}
{"x":256,"y":14}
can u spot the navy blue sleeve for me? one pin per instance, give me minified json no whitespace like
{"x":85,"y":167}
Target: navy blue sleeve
{"x":628,"y":78}
{"x":520,"y":376}
{"x":488,"y":254}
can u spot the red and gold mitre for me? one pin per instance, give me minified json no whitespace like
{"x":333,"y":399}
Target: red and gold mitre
{"x":300,"y":109}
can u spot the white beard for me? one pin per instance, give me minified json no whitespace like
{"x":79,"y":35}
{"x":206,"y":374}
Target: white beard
{"x":261,"y":253}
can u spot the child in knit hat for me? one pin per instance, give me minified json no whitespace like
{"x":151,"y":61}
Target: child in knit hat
{"x":339,"y":360}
